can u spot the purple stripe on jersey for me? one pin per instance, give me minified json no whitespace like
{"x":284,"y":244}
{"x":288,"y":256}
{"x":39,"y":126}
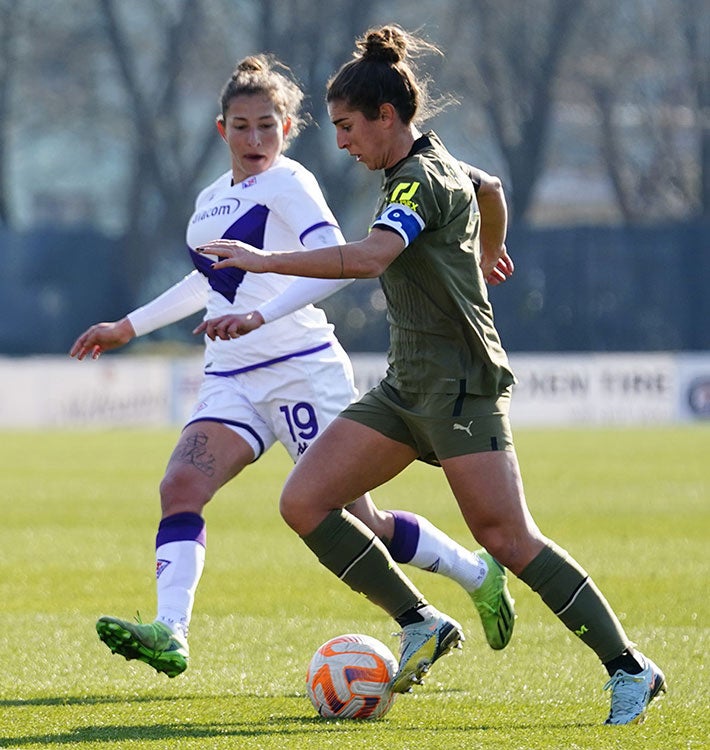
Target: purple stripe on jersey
{"x":224,"y":281}
{"x":248,"y":228}
{"x":269,"y":362}
{"x":314,"y":227}
{"x":406,"y":536}
{"x":182,"y":527}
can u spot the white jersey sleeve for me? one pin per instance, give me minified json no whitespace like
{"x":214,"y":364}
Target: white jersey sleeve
{"x":301,"y":207}
{"x":182,"y":299}
{"x":303,"y":291}
{"x":306,"y":291}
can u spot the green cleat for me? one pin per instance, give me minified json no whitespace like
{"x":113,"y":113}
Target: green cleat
{"x":153,"y":643}
{"x":494,"y":604}
{"x":421,"y":644}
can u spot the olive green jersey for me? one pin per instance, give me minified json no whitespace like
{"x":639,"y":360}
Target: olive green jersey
{"x":442,"y":335}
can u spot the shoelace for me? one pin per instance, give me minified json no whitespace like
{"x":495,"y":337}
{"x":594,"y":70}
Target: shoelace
{"x":485,"y":605}
{"x":624,"y":699}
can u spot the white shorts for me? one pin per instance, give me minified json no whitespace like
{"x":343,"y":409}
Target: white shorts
{"x":291,"y":401}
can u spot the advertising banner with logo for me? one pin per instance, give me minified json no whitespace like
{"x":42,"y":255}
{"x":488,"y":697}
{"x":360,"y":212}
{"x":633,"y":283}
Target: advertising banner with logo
{"x":693,"y":386}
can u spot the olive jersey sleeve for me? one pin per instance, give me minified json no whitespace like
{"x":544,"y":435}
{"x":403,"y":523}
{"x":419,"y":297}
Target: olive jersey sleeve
{"x":408,"y":205}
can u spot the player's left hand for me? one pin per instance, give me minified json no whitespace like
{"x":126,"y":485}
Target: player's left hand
{"x":230,"y":326}
{"x":236,"y":254}
{"x":502,"y":271}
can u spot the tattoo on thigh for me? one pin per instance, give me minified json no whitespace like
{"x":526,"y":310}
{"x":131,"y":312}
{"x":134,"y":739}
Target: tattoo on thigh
{"x":193,"y":450}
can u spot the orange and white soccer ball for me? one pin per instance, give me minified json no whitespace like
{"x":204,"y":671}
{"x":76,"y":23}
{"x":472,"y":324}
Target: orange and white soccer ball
{"x":349,"y":678}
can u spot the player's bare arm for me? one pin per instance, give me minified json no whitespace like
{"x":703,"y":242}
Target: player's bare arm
{"x":496,"y":264}
{"x":364,"y":259}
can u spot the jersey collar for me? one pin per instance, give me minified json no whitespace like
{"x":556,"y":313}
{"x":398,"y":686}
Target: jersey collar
{"x":423,"y":142}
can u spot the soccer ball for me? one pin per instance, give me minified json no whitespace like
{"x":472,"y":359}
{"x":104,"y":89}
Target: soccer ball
{"x":349,"y":678}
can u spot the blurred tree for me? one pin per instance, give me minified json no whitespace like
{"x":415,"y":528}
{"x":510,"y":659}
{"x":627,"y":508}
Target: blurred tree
{"x":156,"y":68}
{"x":8,"y":63}
{"x":647,"y":86}
{"x":166,"y":164}
{"x":695,"y":25}
{"x":326,"y":34}
{"x":136,"y":85}
{"x":510,"y":54}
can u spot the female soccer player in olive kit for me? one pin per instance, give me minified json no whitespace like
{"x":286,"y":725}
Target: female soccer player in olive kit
{"x":446,"y":395}
{"x":285,"y":381}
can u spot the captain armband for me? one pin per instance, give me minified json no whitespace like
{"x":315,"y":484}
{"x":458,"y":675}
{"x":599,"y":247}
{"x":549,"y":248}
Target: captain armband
{"x":401,"y":219}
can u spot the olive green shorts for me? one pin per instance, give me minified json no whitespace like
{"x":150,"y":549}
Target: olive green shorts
{"x":437,"y":425}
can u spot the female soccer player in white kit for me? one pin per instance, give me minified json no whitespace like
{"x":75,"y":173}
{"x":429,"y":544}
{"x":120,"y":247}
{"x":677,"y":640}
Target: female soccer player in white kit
{"x":284,"y":381}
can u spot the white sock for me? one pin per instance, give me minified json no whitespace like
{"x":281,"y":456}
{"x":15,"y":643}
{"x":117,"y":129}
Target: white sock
{"x":436,"y":552}
{"x":179,"y":569}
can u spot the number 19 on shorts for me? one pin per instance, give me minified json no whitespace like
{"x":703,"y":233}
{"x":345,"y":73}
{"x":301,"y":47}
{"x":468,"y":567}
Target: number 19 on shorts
{"x":302,"y":422}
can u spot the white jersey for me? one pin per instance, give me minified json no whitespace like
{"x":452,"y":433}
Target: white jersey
{"x":282,"y":208}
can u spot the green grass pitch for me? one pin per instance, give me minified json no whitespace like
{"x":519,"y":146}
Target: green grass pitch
{"x":79,"y":515}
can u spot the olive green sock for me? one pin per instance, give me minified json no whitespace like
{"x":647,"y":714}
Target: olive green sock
{"x":570,"y":593}
{"x":345,"y":546}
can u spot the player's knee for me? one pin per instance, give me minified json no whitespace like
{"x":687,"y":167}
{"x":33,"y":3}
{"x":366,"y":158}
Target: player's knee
{"x":512,"y":550}
{"x":288,"y":507}
{"x":301,"y":510}
{"x":178,"y":494}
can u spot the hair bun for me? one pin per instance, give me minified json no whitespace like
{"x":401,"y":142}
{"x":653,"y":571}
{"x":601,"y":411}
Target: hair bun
{"x":384,"y":71}
{"x":252,"y":64}
{"x":387,"y":44}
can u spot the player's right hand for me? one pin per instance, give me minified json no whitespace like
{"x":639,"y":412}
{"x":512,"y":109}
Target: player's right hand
{"x":230,"y":326}
{"x":102,"y":337}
